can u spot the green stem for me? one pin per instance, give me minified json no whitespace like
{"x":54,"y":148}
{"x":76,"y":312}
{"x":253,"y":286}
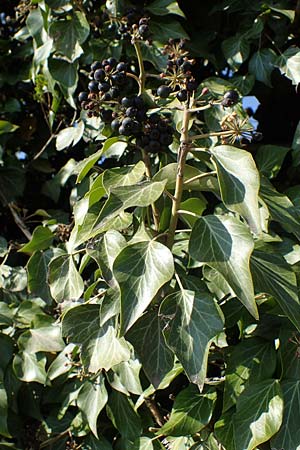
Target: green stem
{"x":141,"y":66}
{"x":183,"y":151}
{"x":155,"y":211}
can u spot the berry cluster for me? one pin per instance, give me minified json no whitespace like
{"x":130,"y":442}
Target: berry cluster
{"x":132,"y":25}
{"x":157,"y":135}
{"x":179,"y":73}
{"x":126,"y":115}
{"x":109,"y":79}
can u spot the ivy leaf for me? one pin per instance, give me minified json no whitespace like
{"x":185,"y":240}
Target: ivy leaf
{"x":3,"y":408}
{"x":269,"y":159}
{"x":141,"y":269}
{"x":126,"y":375}
{"x":148,"y":341}
{"x":224,"y":430}
{"x":167,"y":29}
{"x":191,"y":412}
{"x":37,"y":273}
{"x":100,"y":347}
{"x":236,"y":50}
{"x":280,"y":206}
{"x":143,"y":443}
{"x":192,"y":321}
{"x":42,"y":238}
{"x":69,"y":136}
{"x":288,"y":436}
{"x":239,"y":182}
{"x":30,"y":367}
{"x":44,"y":339}
{"x":64,"y":279}
{"x":7,"y":127}
{"x":258,"y":415}
{"x":289,"y":64}
{"x":64,"y":73}
{"x":164,"y":7}
{"x":69,"y":34}
{"x":272,"y":275}
{"x":123,"y":416}
{"x":225,"y":244}
{"x":251,"y":361}
{"x":261,"y":65}
{"x":91,"y":400}
{"x":123,"y":176}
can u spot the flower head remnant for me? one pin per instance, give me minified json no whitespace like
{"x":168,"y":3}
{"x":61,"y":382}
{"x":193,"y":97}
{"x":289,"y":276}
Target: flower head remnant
{"x":238,"y":130}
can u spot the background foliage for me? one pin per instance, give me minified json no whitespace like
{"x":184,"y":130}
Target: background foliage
{"x":113,"y":337}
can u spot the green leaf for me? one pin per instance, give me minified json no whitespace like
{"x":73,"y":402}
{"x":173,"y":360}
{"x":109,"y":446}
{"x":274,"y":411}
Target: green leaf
{"x":236,"y":50}
{"x":196,"y":206}
{"x":224,"y":430}
{"x":69,"y":136}
{"x":163,"y":7}
{"x":244,"y":83}
{"x":191,"y":412}
{"x":37,"y":273}
{"x":91,"y":400}
{"x":272,"y":275}
{"x":123,"y":176}
{"x":192,"y":321}
{"x":154,"y":55}
{"x":7,"y":350}
{"x":225,"y":244}
{"x":12,"y":279}
{"x":149,"y":344}
{"x":269,"y":159}
{"x":251,"y":361}
{"x":62,"y":363}
{"x":45,"y":339}
{"x":288,"y":436}
{"x":280,"y":206}
{"x":92,"y":443}
{"x":123,"y":416}
{"x":84,"y":166}
{"x":169,"y":172}
{"x":109,"y":247}
{"x":3,"y":247}
{"x":3,"y":408}
{"x":296,"y":146}
{"x":141,"y":269}
{"x":162,"y":31}
{"x":30,"y":367}
{"x":63,"y":72}
{"x":239,"y":182}
{"x":143,"y":443}
{"x":261,"y":65}
{"x":100,"y":347}
{"x":7,"y":127}
{"x":68,"y":34}
{"x":258,"y":415}
{"x":42,"y":238}
{"x":125,"y":377}
{"x":289,"y":64}
{"x":64,"y":279}
{"x":52,"y":187}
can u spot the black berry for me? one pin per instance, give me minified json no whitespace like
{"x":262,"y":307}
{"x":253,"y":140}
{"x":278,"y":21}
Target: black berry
{"x":164,"y":91}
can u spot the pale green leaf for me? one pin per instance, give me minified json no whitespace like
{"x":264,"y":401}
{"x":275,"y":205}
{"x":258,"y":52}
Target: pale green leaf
{"x":258,"y":415}
{"x":225,"y":244}
{"x":289,"y":64}
{"x":45,"y":339}
{"x":141,"y":269}
{"x":69,"y":136}
{"x":41,"y":239}
{"x":123,"y":176}
{"x":191,"y":412}
{"x":62,"y":363}
{"x":64,"y":279}
{"x":91,"y":400}
{"x":239,"y":182}
{"x":192,"y":320}
{"x":30,"y":367}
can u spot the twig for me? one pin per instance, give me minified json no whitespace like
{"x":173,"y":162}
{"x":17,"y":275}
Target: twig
{"x":198,"y":177}
{"x":208,"y":135}
{"x":18,"y":221}
{"x":153,"y":408}
{"x":54,"y":439}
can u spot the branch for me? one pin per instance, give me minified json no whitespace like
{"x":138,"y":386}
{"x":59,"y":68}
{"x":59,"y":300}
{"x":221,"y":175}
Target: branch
{"x":153,"y":408}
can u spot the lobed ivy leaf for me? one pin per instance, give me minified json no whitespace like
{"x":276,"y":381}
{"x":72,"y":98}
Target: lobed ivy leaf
{"x":289,"y":64}
{"x":191,"y":412}
{"x":100,"y":347}
{"x":123,"y":416}
{"x":258,"y":415}
{"x":288,"y":437}
{"x":91,"y":399}
{"x":64,"y":279}
{"x":42,"y":238}
{"x":164,"y":7}
{"x":141,"y":269}
{"x":123,"y":176}
{"x":261,"y":65}
{"x":269,"y":159}
{"x":192,"y":321}
{"x":30,"y":367}
{"x":225,"y":244}
{"x":236,"y":50}
{"x":239,"y":183}
{"x":146,"y":336}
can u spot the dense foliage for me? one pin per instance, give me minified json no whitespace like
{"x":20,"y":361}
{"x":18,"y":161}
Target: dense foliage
{"x":149,"y":229}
